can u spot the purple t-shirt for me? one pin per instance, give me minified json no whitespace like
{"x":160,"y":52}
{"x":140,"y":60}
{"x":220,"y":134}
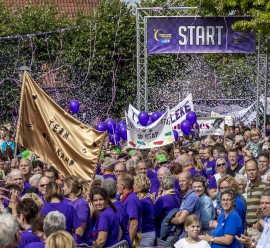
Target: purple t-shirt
{"x":110,"y":176}
{"x":134,"y":208}
{"x":210,"y":168}
{"x":83,"y":211}
{"x":212,"y":183}
{"x":154,"y":181}
{"x":28,"y":237}
{"x":108,"y":222}
{"x":72,"y":219}
{"x":122,"y":214}
{"x":35,"y":245}
{"x":162,"y":207}
{"x":147,"y":215}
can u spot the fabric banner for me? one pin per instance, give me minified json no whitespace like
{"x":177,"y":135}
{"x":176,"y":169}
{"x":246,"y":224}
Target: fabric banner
{"x":246,"y":115}
{"x":197,"y":35}
{"x":211,"y":125}
{"x":177,"y":114}
{"x":56,"y":136}
{"x":159,"y":133}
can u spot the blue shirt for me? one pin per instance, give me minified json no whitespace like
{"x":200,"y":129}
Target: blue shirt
{"x":208,"y":212}
{"x":231,"y":225}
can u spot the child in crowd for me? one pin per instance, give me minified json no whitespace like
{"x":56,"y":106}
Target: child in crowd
{"x":192,"y":240}
{"x":254,"y":146}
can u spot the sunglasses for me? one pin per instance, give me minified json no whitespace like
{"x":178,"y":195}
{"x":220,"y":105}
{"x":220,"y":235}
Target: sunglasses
{"x":223,"y":164}
{"x":42,"y":185}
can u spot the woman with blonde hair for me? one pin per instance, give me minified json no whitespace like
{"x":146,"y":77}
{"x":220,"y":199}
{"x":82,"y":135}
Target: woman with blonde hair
{"x":60,"y":239}
{"x":75,"y":188}
{"x":54,"y":201}
{"x":141,"y":188}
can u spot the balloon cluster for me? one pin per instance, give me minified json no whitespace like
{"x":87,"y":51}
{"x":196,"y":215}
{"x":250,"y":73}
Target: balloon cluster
{"x":187,"y":124}
{"x":116,"y":130}
{"x":145,"y":119}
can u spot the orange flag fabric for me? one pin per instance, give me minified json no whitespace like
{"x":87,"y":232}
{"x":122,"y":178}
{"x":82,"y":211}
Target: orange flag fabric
{"x":54,"y":135}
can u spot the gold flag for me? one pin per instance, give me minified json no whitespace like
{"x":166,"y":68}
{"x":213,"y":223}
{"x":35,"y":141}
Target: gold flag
{"x":49,"y":131}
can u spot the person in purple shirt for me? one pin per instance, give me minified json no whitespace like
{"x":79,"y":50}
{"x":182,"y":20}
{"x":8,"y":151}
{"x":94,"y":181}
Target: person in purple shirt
{"x":53,"y":222}
{"x":110,"y":186}
{"x":17,"y":177}
{"x":26,"y":167}
{"x":42,"y":186}
{"x":142,"y":168}
{"x":27,"y":211}
{"x":141,"y":188}
{"x":125,"y":184}
{"x":106,"y":227}
{"x":54,"y":201}
{"x":164,"y":204}
{"x":191,"y":203}
{"x":209,"y":163}
{"x":74,"y":188}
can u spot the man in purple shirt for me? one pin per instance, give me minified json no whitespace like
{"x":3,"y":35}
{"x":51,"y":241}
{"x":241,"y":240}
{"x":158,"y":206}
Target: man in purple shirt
{"x":18,"y":178}
{"x":42,"y":186}
{"x":26,"y":167}
{"x":191,"y":203}
{"x":209,"y":162}
{"x":131,"y":201}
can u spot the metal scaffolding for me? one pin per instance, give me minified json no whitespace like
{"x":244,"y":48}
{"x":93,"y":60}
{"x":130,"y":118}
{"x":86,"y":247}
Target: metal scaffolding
{"x":142,"y":59}
{"x":262,"y":81}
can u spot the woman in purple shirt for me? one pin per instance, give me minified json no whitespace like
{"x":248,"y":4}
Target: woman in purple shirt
{"x":27,"y":211}
{"x":141,"y":188}
{"x":54,"y":201}
{"x":74,"y":188}
{"x":106,"y":229}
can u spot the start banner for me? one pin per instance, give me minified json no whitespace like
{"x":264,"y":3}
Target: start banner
{"x":197,"y":35}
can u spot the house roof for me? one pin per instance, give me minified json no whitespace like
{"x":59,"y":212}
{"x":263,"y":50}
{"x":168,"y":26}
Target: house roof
{"x":70,"y":7}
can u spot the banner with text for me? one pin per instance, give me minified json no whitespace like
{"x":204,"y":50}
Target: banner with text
{"x":56,"y":136}
{"x":177,"y":114}
{"x":159,"y":133}
{"x":197,"y":35}
{"x":246,"y":115}
{"x":211,"y":125}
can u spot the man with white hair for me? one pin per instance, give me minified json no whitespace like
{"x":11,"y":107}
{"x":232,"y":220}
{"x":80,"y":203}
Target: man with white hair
{"x":26,"y":167}
{"x":42,"y":186}
{"x":186,"y":163}
{"x":16,"y":177}
{"x":9,"y":227}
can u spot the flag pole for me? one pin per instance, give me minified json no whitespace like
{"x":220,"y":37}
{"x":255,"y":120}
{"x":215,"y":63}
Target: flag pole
{"x":20,"y":116}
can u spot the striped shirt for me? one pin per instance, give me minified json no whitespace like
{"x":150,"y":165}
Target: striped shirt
{"x":254,"y":192}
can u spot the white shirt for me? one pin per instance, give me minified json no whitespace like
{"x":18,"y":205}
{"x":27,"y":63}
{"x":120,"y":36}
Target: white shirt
{"x":264,"y":241}
{"x":182,"y":243}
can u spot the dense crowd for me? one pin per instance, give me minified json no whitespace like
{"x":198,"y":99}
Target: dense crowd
{"x":200,"y":192}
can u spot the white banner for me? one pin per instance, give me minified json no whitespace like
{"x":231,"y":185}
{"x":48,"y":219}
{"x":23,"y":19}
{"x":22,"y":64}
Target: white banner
{"x":177,"y":114}
{"x":157,"y":134}
{"x":211,"y":125}
{"x":245,"y":115}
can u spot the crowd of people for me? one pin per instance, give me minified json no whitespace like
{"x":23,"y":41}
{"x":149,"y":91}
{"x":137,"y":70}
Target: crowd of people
{"x":198,"y":192}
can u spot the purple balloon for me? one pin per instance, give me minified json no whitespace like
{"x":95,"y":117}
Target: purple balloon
{"x":162,"y":113}
{"x":149,"y":122}
{"x":110,"y":125}
{"x":191,"y":117}
{"x":185,"y":127}
{"x":123,"y":132}
{"x":117,"y":128}
{"x":122,"y":123}
{"x":175,"y":134}
{"x":143,"y":118}
{"x":155,"y":116}
{"x":101,"y":127}
{"x":74,"y":106}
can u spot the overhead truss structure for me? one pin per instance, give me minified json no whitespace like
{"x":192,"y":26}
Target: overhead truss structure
{"x":142,"y":59}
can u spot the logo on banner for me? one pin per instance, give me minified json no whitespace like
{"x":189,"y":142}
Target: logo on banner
{"x":161,"y":36}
